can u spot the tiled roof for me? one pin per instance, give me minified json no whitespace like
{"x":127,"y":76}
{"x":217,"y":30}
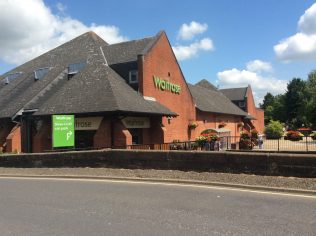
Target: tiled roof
{"x":213,"y":101}
{"x":235,"y":94}
{"x":97,"y":88}
{"x":205,"y":84}
{"x":127,"y":51}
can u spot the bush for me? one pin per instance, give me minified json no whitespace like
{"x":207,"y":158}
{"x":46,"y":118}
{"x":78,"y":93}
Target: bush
{"x":305,"y":131}
{"x":274,"y":130}
{"x":293,"y":136}
{"x":313,"y":135}
{"x":247,"y":142}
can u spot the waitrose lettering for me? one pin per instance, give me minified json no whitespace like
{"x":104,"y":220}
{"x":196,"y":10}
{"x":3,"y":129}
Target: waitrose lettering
{"x":165,"y":85}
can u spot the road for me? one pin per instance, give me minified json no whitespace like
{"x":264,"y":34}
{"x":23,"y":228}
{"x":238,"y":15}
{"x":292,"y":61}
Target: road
{"x":88,"y":207}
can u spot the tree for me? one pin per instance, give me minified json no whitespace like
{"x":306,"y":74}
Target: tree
{"x":274,"y":130}
{"x":311,"y":104}
{"x":268,"y":100}
{"x":296,"y":99}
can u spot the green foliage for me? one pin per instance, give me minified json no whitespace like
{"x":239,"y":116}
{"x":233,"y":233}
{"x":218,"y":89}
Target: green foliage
{"x":296,"y":107}
{"x":274,"y":130}
{"x":293,"y":136}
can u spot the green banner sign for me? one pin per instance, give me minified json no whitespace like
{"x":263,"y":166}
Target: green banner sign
{"x":63,"y":131}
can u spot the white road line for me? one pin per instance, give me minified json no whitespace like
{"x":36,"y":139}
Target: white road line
{"x":163,"y":184}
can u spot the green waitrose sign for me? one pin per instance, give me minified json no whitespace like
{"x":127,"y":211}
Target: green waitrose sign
{"x":165,"y":85}
{"x":63,"y":130}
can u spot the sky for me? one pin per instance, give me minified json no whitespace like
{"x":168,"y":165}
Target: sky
{"x":231,"y":43}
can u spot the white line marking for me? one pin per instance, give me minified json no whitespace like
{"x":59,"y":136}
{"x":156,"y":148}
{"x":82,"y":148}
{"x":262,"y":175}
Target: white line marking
{"x":162,"y":184}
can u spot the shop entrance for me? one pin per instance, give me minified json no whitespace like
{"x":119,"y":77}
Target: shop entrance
{"x":84,"y":138}
{"x":137,"y":136}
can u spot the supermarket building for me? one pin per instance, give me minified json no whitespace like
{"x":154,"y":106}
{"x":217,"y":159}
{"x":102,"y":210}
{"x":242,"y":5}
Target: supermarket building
{"x":121,"y":94}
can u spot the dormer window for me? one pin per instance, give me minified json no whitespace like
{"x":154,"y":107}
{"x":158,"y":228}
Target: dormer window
{"x":76,"y":67}
{"x":11,"y":77}
{"x":241,"y":104}
{"x":40,"y":73}
{"x":133,"y":77}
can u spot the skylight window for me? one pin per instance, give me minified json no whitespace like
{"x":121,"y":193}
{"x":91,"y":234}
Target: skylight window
{"x":11,"y":77}
{"x":75,"y":67}
{"x":40,"y":73}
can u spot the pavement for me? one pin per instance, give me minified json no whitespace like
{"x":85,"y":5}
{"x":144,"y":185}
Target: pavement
{"x":294,"y":185}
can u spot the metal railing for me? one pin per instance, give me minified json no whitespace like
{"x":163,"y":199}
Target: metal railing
{"x":224,"y":143}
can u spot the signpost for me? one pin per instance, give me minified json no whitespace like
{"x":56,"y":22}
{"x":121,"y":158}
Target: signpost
{"x":63,"y":131}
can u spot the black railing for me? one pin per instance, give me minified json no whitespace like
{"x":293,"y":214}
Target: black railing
{"x":307,"y":144}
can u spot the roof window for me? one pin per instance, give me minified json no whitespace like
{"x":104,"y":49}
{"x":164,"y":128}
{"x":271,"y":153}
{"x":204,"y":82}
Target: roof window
{"x":76,"y":67}
{"x":241,"y":104}
{"x":40,"y":73}
{"x":133,"y":77}
{"x":11,"y":77}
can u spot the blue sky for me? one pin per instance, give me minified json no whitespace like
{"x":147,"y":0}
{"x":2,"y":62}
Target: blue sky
{"x":231,"y":43}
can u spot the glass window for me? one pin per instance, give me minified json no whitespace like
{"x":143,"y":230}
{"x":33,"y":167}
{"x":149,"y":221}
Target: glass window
{"x":76,"y":67}
{"x":40,"y":73}
{"x":133,"y":77}
{"x":241,"y":104}
{"x":11,"y":77}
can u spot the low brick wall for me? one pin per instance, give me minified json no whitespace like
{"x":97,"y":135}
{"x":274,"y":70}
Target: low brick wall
{"x":301,"y":165}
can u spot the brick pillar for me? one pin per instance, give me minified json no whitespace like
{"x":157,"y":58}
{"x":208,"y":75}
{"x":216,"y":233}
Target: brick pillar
{"x":42,"y":138}
{"x":121,"y":135}
{"x":14,"y":140}
{"x":102,"y":137}
{"x":157,"y":131}
{"x":5,"y":128}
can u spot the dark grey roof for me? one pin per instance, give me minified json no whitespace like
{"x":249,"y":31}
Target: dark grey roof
{"x":213,"y":101}
{"x":235,"y":94}
{"x":206,"y":84}
{"x":97,"y":88}
{"x":127,"y":51}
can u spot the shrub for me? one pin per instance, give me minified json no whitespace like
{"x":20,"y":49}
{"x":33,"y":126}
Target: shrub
{"x":200,"y":141}
{"x":293,"y":136}
{"x":313,"y":135}
{"x":305,"y":131}
{"x":274,"y":130}
{"x":246,"y":141}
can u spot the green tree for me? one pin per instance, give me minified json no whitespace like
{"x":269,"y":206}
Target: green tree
{"x":296,"y":99}
{"x":311,"y":104}
{"x":268,"y":100}
{"x":274,"y":130}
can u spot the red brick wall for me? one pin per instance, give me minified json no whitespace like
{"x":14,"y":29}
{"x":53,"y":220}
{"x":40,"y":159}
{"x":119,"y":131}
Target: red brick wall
{"x":102,"y":137}
{"x":155,"y":134}
{"x":255,"y":112}
{"x":42,"y":139}
{"x":14,"y":140}
{"x":5,"y":127}
{"x":121,"y":135}
{"x":160,"y":61}
{"x":208,"y":120}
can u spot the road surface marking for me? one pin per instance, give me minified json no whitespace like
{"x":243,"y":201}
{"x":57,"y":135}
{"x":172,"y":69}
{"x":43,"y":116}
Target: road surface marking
{"x":163,"y":184}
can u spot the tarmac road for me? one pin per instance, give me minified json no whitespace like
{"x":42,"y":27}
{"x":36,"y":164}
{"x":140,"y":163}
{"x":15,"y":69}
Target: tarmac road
{"x":101,"y":207}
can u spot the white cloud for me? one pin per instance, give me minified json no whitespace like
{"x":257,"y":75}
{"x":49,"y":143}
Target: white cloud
{"x":192,"y":50}
{"x":260,"y":84}
{"x":61,"y":7}
{"x":188,"y":32}
{"x":302,"y":45}
{"x":258,"y":66}
{"x":37,"y":30}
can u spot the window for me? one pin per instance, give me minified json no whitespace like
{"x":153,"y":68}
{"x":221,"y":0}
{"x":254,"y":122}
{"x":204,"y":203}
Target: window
{"x":241,"y":104}
{"x":11,"y":77}
{"x":40,"y":73}
{"x":133,"y":77}
{"x":75,"y":67}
